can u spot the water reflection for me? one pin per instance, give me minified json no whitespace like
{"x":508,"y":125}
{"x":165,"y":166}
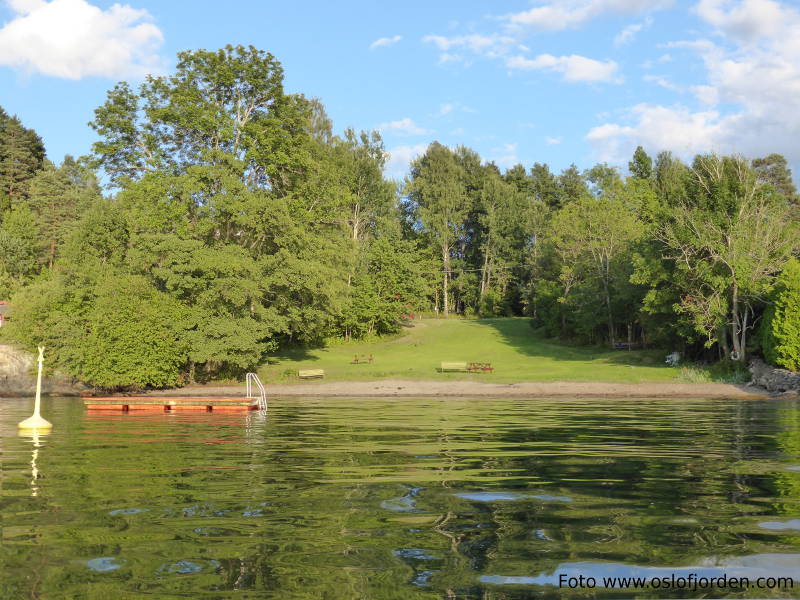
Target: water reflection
{"x":35,"y":436}
{"x":383,"y":499}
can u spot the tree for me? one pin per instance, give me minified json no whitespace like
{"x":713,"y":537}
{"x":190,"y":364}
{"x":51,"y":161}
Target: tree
{"x":436,"y":189}
{"x":774,"y":170}
{"x":218,"y":106}
{"x":21,"y":155}
{"x":389,"y":287}
{"x":730,"y":239}
{"x":58,"y":197}
{"x":359,"y":164}
{"x":672,"y":179}
{"x":592,"y":237}
{"x":133,"y":344}
{"x":571,"y":185}
{"x":544,"y":185}
{"x":20,"y":249}
{"x":641,"y":165}
{"x":500,"y":238}
{"x":780,"y":329}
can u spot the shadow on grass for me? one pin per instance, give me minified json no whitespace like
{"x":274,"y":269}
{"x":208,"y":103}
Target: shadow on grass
{"x":294,"y":353}
{"x":518,"y":334}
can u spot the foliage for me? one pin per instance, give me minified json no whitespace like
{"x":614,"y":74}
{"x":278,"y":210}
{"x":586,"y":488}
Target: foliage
{"x":780,"y":330}
{"x":729,"y":240}
{"x":235,"y":208}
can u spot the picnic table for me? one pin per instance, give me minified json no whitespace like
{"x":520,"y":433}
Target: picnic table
{"x":360,"y":360}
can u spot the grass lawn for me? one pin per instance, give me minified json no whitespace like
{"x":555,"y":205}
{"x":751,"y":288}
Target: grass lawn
{"x":515,"y":351}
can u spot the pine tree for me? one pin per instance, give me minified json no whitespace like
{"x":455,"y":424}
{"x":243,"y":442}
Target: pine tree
{"x":21,"y":155}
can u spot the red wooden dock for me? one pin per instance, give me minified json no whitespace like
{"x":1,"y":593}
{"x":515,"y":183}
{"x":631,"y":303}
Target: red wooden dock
{"x":169,"y":404}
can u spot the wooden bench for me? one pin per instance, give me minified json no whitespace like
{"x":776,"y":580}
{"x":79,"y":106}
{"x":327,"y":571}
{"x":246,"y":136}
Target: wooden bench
{"x":625,"y":345}
{"x":360,"y":360}
{"x":480,"y":367}
{"x":453,"y":366}
{"x":311,"y":373}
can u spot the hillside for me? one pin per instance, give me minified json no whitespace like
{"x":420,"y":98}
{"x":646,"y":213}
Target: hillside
{"x":512,"y":347}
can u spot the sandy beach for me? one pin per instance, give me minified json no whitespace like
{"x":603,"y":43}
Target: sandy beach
{"x":466,"y":389}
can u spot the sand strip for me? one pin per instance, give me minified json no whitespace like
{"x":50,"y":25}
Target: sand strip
{"x":462,"y":389}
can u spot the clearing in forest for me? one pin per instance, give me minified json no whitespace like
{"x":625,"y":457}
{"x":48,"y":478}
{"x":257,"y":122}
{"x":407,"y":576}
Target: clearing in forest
{"x":514,"y":350}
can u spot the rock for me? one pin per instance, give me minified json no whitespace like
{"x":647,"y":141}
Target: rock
{"x":14,"y":363}
{"x":775,"y":380}
{"x":18,"y":376}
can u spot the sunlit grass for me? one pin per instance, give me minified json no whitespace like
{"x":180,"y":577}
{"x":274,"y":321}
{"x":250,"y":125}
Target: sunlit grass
{"x":516,"y":352}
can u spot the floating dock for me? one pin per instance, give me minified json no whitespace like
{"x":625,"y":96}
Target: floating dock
{"x":255,"y":399}
{"x":164,"y":404}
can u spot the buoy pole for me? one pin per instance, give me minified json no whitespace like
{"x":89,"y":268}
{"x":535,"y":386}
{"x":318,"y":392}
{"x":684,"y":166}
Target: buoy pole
{"x":36,"y":421}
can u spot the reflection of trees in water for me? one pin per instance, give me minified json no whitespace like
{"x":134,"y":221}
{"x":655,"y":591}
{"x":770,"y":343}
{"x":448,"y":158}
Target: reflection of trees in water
{"x":679,"y":488}
{"x":360,"y":500}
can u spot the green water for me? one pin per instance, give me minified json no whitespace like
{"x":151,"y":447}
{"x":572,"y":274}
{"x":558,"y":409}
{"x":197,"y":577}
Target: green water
{"x":400,"y":498}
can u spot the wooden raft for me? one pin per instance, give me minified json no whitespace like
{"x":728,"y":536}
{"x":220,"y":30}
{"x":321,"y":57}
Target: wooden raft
{"x":165,"y":404}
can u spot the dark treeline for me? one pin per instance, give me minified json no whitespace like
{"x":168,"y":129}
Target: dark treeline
{"x":236,"y":223}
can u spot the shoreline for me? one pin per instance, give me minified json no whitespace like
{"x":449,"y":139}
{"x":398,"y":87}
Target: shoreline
{"x":398,"y":388}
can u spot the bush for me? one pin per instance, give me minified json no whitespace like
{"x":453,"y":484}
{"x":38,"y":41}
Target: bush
{"x":135,"y":337}
{"x":780,"y":330}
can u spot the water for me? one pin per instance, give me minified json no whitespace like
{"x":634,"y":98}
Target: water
{"x":402,"y":498}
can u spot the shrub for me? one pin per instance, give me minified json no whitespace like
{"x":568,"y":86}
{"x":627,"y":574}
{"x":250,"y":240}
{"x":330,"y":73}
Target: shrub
{"x":780,"y":330}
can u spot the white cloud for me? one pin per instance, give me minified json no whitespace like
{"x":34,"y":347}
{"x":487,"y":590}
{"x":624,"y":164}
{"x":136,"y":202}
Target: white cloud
{"x":491,"y":46}
{"x":627,"y":35}
{"x":504,"y":156}
{"x":400,"y":157}
{"x":574,"y":68}
{"x":754,"y":73}
{"x":452,"y":107}
{"x":553,"y":141}
{"x":403,"y":127}
{"x":558,"y":15}
{"x":663,"y":82}
{"x":747,"y":20}
{"x":385,"y":42}
{"x":657,"y":128}
{"x":73,"y":39}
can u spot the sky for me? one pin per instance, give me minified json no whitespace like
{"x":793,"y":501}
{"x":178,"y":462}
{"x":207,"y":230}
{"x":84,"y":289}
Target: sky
{"x":553,"y":81}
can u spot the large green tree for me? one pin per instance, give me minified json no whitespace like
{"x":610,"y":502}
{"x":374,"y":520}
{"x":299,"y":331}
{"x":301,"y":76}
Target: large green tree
{"x":435,"y":186}
{"x":729,"y":238}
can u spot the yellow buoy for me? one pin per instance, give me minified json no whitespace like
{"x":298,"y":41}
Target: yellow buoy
{"x":35,"y":421}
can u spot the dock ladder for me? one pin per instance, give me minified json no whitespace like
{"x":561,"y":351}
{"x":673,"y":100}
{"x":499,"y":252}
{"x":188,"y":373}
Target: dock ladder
{"x":255,"y":390}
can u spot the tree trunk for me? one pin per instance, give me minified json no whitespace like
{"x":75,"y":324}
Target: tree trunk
{"x":737,"y":332}
{"x":445,"y":293}
{"x":607,"y":294}
{"x":485,"y":274}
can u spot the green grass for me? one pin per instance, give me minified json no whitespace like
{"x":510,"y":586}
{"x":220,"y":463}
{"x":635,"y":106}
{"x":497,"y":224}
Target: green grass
{"x":514,"y":349}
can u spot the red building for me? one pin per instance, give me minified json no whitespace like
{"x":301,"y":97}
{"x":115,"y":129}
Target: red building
{"x":3,"y":312}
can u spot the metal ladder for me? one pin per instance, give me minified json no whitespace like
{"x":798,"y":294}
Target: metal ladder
{"x":254,"y":382}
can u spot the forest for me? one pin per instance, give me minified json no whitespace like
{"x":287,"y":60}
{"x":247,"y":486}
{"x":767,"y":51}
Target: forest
{"x":219,"y":219}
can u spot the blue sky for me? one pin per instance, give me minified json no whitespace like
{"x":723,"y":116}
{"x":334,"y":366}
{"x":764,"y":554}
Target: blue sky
{"x":555,"y":81}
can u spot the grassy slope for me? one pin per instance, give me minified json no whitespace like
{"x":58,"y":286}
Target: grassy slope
{"x":516,"y":353}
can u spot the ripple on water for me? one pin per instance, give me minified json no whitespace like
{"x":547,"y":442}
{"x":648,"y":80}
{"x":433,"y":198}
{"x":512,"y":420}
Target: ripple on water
{"x":188,"y":567}
{"x":415,"y":554}
{"x":422,"y":578}
{"x":779,"y":525}
{"x":403,"y":503}
{"x":104,"y":563}
{"x":127,"y":511}
{"x":510,"y":497}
